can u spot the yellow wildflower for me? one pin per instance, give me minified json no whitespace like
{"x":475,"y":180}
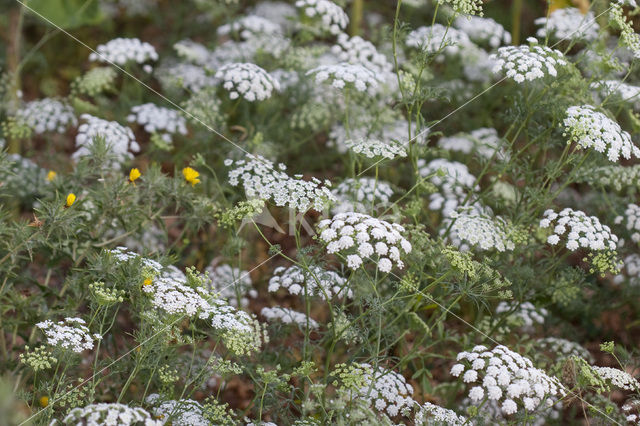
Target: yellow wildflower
{"x":190,"y":175}
{"x":134,"y":174}
{"x":51,"y":175}
{"x":44,"y":401}
{"x":71,"y":198}
{"x":147,"y":281}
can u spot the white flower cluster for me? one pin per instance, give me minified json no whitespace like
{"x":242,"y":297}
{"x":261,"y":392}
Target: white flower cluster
{"x":361,"y":195}
{"x":372,"y":148}
{"x":288,"y":316}
{"x":618,"y":378}
{"x":592,"y":129}
{"x":481,"y":231}
{"x":453,"y":187}
{"x":183,"y":75}
{"x":229,"y":281}
{"x":47,"y":115}
{"x":119,"y":139}
{"x":278,"y":12}
{"x":524,"y":62}
{"x":632,"y":216}
{"x":316,"y":281}
{"x":563,"y":348}
{"x":584,"y":231}
{"x":110,"y":414}
{"x":618,"y":90}
{"x":250,"y":26}
{"x":346,"y":75}
{"x":122,"y":50}
{"x":430,"y":414}
{"x":483,"y":30}
{"x":615,"y":176}
{"x":526,"y":313}
{"x":508,"y":376}
{"x":123,"y":255}
{"x":438,"y":37}
{"x":630,"y":406}
{"x":372,"y":236}
{"x":70,"y":333}
{"x":332,"y":18}
{"x":485,"y":141}
{"x":157,"y":119}
{"x":22,"y":178}
{"x":260,"y":179}
{"x":632,"y":268}
{"x":385,"y":390}
{"x":568,"y":23}
{"x":247,"y":80}
{"x":183,"y":412}
{"x":356,"y":50}
{"x":170,"y":292}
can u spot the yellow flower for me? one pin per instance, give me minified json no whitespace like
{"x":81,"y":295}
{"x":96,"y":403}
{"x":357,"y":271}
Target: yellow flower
{"x":71,"y":198}
{"x":51,"y":175}
{"x":190,"y":175}
{"x":147,"y":281}
{"x":44,"y":401}
{"x":134,"y":174}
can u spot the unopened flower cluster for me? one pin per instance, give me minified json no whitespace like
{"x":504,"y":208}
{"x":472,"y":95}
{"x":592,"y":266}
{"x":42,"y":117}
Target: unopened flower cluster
{"x":568,"y":23}
{"x":330,"y":16}
{"x":47,"y":115}
{"x":122,"y":50}
{"x":113,"y":413}
{"x":346,"y":75}
{"x":358,"y":237}
{"x":37,"y":359}
{"x":228,"y":281}
{"x":483,"y":30}
{"x":95,"y":81}
{"x":316,"y":281}
{"x":592,"y":129}
{"x":260,"y":179}
{"x":247,"y":80}
{"x":119,"y":139}
{"x":288,"y":316}
{"x":505,"y":376}
{"x":583,"y":231}
{"x":155,"y":118}
{"x":361,"y":195}
{"x":70,"y":333}
{"x":524,"y":62}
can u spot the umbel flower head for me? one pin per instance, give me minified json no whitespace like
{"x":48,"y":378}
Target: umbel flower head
{"x":568,"y":23}
{"x":247,"y":80}
{"x":288,"y":316}
{"x":358,"y":51}
{"x":592,"y":129}
{"x":372,"y":148}
{"x":481,"y":231}
{"x":70,"y":333}
{"x":429,"y":413}
{"x":47,"y":115}
{"x":230,"y":282}
{"x":483,"y":31}
{"x":260,"y":179}
{"x":123,"y":50}
{"x":358,"y":237}
{"x":181,"y":412}
{"x":346,"y":75}
{"x":250,"y":26}
{"x":505,"y":376}
{"x":314,"y":282}
{"x":583,"y":231}
{"x":385,"y":390}
{"x":438,"y":37}
{"x":528,"y":62}
{"x":157,"y":119}
{"x":331,"y":18}
{"x":119,"y":140}
{"x":361,"y":195}
{"x":113,"y":414}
